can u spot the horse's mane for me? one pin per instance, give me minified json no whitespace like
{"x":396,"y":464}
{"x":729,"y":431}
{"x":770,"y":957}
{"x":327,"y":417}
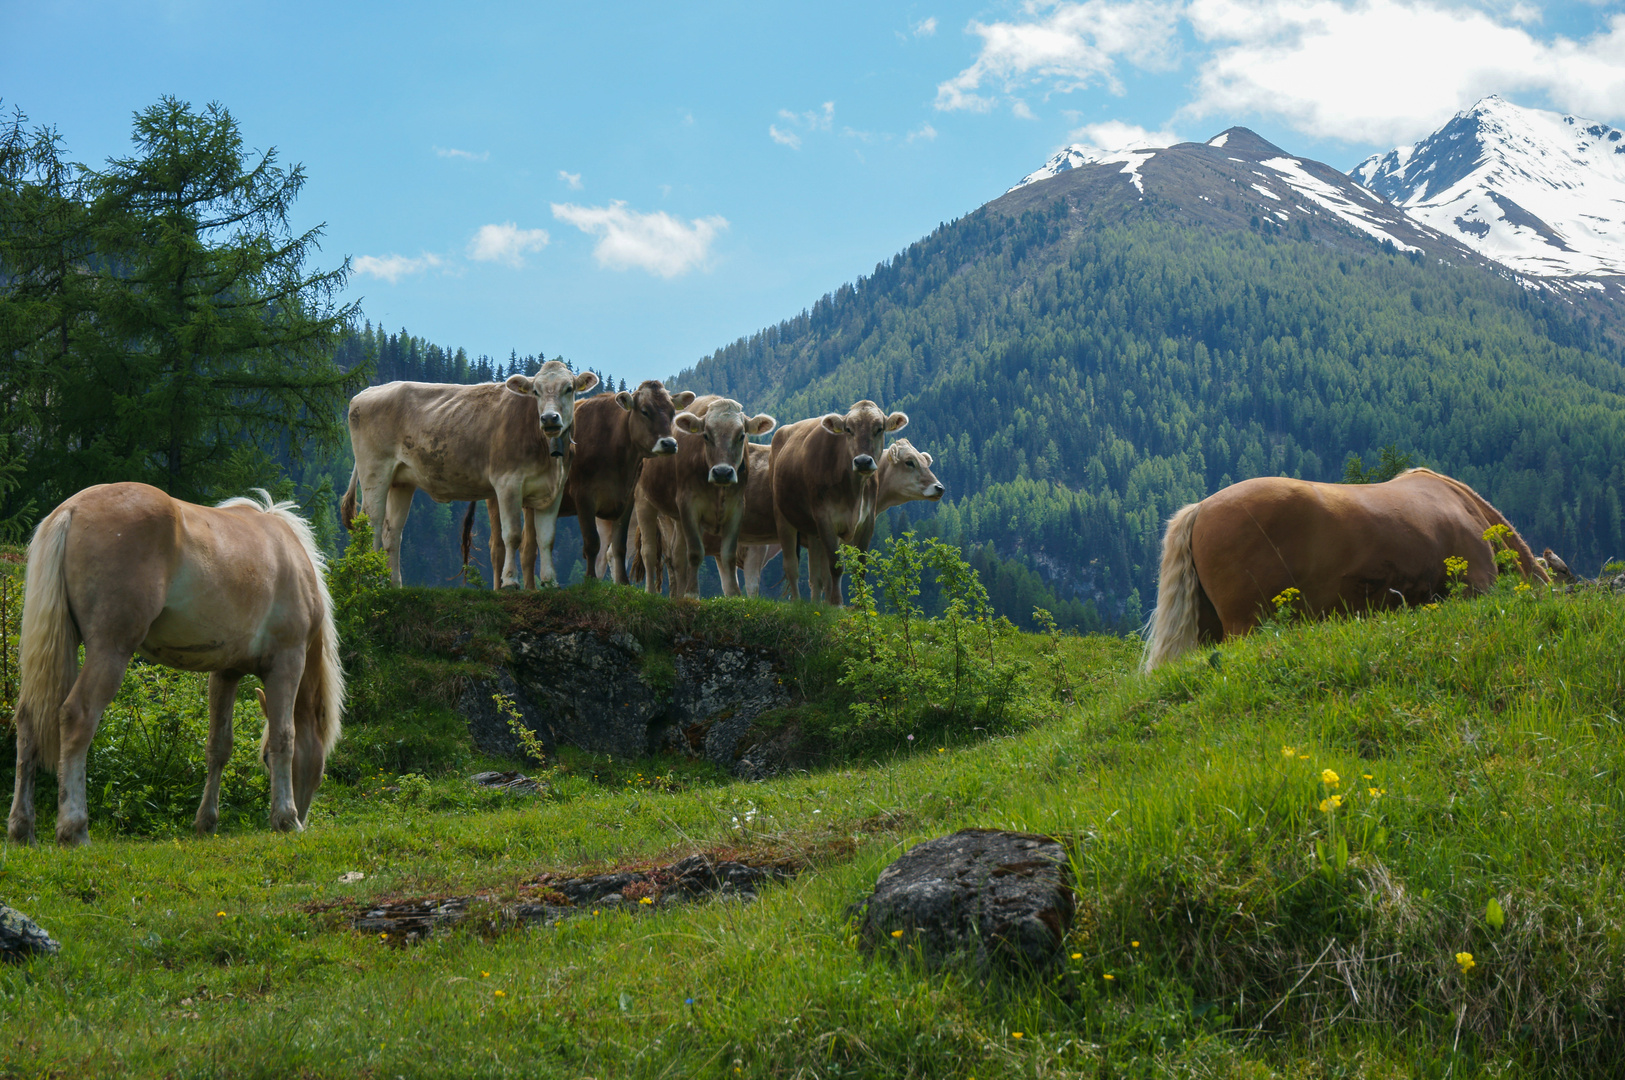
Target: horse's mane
{"x":1526,"y":554}
{"x":331,"y":685}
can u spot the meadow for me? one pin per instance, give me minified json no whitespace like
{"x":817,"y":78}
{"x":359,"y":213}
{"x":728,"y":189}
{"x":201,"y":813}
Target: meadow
{"x":1370,"y":847}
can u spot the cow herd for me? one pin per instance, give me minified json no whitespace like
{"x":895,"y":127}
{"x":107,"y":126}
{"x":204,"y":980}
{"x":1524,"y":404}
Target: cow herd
{"x":665,"y":479}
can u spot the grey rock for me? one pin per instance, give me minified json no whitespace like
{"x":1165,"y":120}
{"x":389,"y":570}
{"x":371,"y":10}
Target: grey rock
{"x":21,"y":937}
{"x":488,"y":726}
{"x":589,"y":690}
{"x":978,"y":898}
{"x":514,"y":783}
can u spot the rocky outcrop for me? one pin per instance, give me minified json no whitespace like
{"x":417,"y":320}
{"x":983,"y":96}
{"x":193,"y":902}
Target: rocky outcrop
{"x":601,"y":693}
{"x":977,"y":898}
{"x":22,"y":938}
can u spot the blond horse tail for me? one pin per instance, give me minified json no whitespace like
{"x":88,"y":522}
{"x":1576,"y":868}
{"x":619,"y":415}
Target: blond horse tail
{"x":347,"y":503}
{"x":1174,"y":623}
{"x":49,"y":643}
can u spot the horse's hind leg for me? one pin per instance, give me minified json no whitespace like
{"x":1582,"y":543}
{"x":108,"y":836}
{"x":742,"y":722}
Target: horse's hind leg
{"x":281,"y":687}
{"x":81,"y":714}
{"x":20,"y":828}
{"x":308,"y":762}
{"x":222,"y":697}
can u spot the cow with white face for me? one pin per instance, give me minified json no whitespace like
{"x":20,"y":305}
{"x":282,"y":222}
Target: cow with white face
{"x":702,"y":487}
{"x":824,"y":488}
{"x":504,"y":441}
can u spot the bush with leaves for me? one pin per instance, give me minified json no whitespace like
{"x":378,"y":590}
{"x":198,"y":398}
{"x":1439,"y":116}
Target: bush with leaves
{"x":944,"y":673}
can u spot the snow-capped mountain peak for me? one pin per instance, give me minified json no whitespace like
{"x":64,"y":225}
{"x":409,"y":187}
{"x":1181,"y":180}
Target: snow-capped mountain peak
{"x":1540,"y":192}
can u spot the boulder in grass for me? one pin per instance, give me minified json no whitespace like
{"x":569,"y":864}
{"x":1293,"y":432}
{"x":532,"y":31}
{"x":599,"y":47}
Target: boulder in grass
{"x":981,"y":897}
{"x":21,"y":937}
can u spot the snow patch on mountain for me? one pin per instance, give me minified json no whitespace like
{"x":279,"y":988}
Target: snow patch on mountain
{"x":1540,"y":192}
{"x":1077,"y":154}
{"x":1334,"y":199}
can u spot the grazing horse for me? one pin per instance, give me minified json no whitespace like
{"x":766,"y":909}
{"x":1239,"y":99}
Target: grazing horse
{"x":1344,"y":547}
{"x":233,"y":590}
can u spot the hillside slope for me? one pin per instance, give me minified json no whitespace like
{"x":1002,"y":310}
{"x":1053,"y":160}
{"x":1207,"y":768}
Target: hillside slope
{"x":1084,"y":356}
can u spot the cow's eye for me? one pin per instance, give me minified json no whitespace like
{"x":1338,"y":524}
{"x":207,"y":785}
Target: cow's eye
{"x":912,"y":465}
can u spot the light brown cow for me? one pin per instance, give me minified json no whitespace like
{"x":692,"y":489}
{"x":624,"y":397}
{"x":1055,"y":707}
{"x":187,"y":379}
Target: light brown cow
{"x":904,"y":476}
{"x":702,"y":487}
{"x":613,"y":433}
{"x":824,"y":489}
{"x":501,"y":440}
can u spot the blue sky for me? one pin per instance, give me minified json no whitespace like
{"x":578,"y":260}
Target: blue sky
{"x":633,"y":185}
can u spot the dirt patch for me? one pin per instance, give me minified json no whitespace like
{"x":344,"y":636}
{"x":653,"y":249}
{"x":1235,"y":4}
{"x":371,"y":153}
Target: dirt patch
{"x":550,"y":898}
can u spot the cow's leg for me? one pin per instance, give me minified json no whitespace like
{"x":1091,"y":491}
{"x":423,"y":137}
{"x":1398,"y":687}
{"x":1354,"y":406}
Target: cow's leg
{"x":729,"y":553}
{"x":691,"y":542}
{"x":592,"y":538}
{"x":222,"y":698}
{"x":608,"y":549}
{"x":823,"y":555}
{"x":649,"y":544}
{"x":512,"y":517}
{"x":529,"y":548}
{"x":618,"y":548}
{"x":77,"y":721}
{"x":756,"y":557}
{"x":281,"y":690}
{"x":398,"y":506}
{"x":375,"y":504}
{"x":499,"y":550}
{"x":546,"y":524}
{"x":791,"y":547}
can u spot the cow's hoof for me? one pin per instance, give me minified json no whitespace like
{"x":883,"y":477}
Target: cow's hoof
{"x":511,"y":585}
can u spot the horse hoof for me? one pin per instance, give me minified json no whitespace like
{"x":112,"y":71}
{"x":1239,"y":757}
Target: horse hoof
{"x":20,"y":833}
{"x":79,"y":837}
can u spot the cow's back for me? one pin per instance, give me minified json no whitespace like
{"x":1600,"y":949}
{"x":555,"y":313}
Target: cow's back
{"x":447,"y":439}
{"x":807,"y":469}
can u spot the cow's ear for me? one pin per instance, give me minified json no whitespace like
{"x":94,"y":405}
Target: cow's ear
{"x":624,"y":400}
{"x":688,"y":423}
{"x":683,"y":400}
{"x":927,"y":458}
{"x":585,"y":381}
{"x":897,"y":421}
{"x":520,"y":384}
{"x":834,"y":423}
{"x":760,"y":424}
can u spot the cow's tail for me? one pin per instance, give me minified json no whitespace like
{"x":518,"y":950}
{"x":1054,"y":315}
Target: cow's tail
{"x":48,"y":644}
{"x":347,"y":503}
{"x":634,"y":544}
{"x":468,"y":531}
{"x":1174,"y":624}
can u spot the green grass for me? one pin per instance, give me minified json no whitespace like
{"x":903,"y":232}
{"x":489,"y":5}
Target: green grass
{"x":1274,"y":938}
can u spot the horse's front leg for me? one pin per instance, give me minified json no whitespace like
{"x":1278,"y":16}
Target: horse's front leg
{"x":222,"y":697}
{"x":79,"y":718}
{"x":277,"y":700}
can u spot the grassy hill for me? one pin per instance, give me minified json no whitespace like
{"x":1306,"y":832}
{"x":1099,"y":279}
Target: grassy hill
{"x":1083,"y":366}
{"x":1232,"y":920}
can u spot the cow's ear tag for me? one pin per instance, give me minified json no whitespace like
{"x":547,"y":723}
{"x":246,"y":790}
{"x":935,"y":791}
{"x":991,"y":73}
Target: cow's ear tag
{"x":897,"y":421}
{"x":520,"y":384}
{"x":834,"y":423}
{"x":585,"y":381}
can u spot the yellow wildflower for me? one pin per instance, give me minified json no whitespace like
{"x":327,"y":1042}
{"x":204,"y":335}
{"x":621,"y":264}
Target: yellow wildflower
{"x":1077,"y":956}
{"x":1329,"y":778}
{"x":1330,"y":803}
{"x":896,"y":933}
{"x":1465,"y":961}
{"x":1135,"y":944}
{"x":1109,"y":976}
{"x":1016,"y":1034}
{"x":220,"y":914}
{"x":1289,"y":751}
{"x":1376,"y":792}
{"x":501,"y":993}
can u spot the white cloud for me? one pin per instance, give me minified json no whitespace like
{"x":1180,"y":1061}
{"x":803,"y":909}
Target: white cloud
{"x":1063,"y":47}
{"x":925,"y":27}
{"x":571,"y":178}
{"x":811,"y":120}
{"x":505,"y":243}
{"x":657,"y":242}
{"x":393,"y":267}
{"x":1386,"y":71}
{"x":466,"y":155}
{"x":924,"y":131}
{"x":1113,"y":135}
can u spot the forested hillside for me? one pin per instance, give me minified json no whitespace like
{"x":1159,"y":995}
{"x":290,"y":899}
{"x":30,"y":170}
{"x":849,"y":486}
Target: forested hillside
{"x":1078,"y":380}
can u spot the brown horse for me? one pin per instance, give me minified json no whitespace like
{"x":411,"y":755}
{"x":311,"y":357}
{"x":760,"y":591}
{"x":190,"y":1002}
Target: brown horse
{"x":1344,"y":547}
{"x":233,"y":590}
